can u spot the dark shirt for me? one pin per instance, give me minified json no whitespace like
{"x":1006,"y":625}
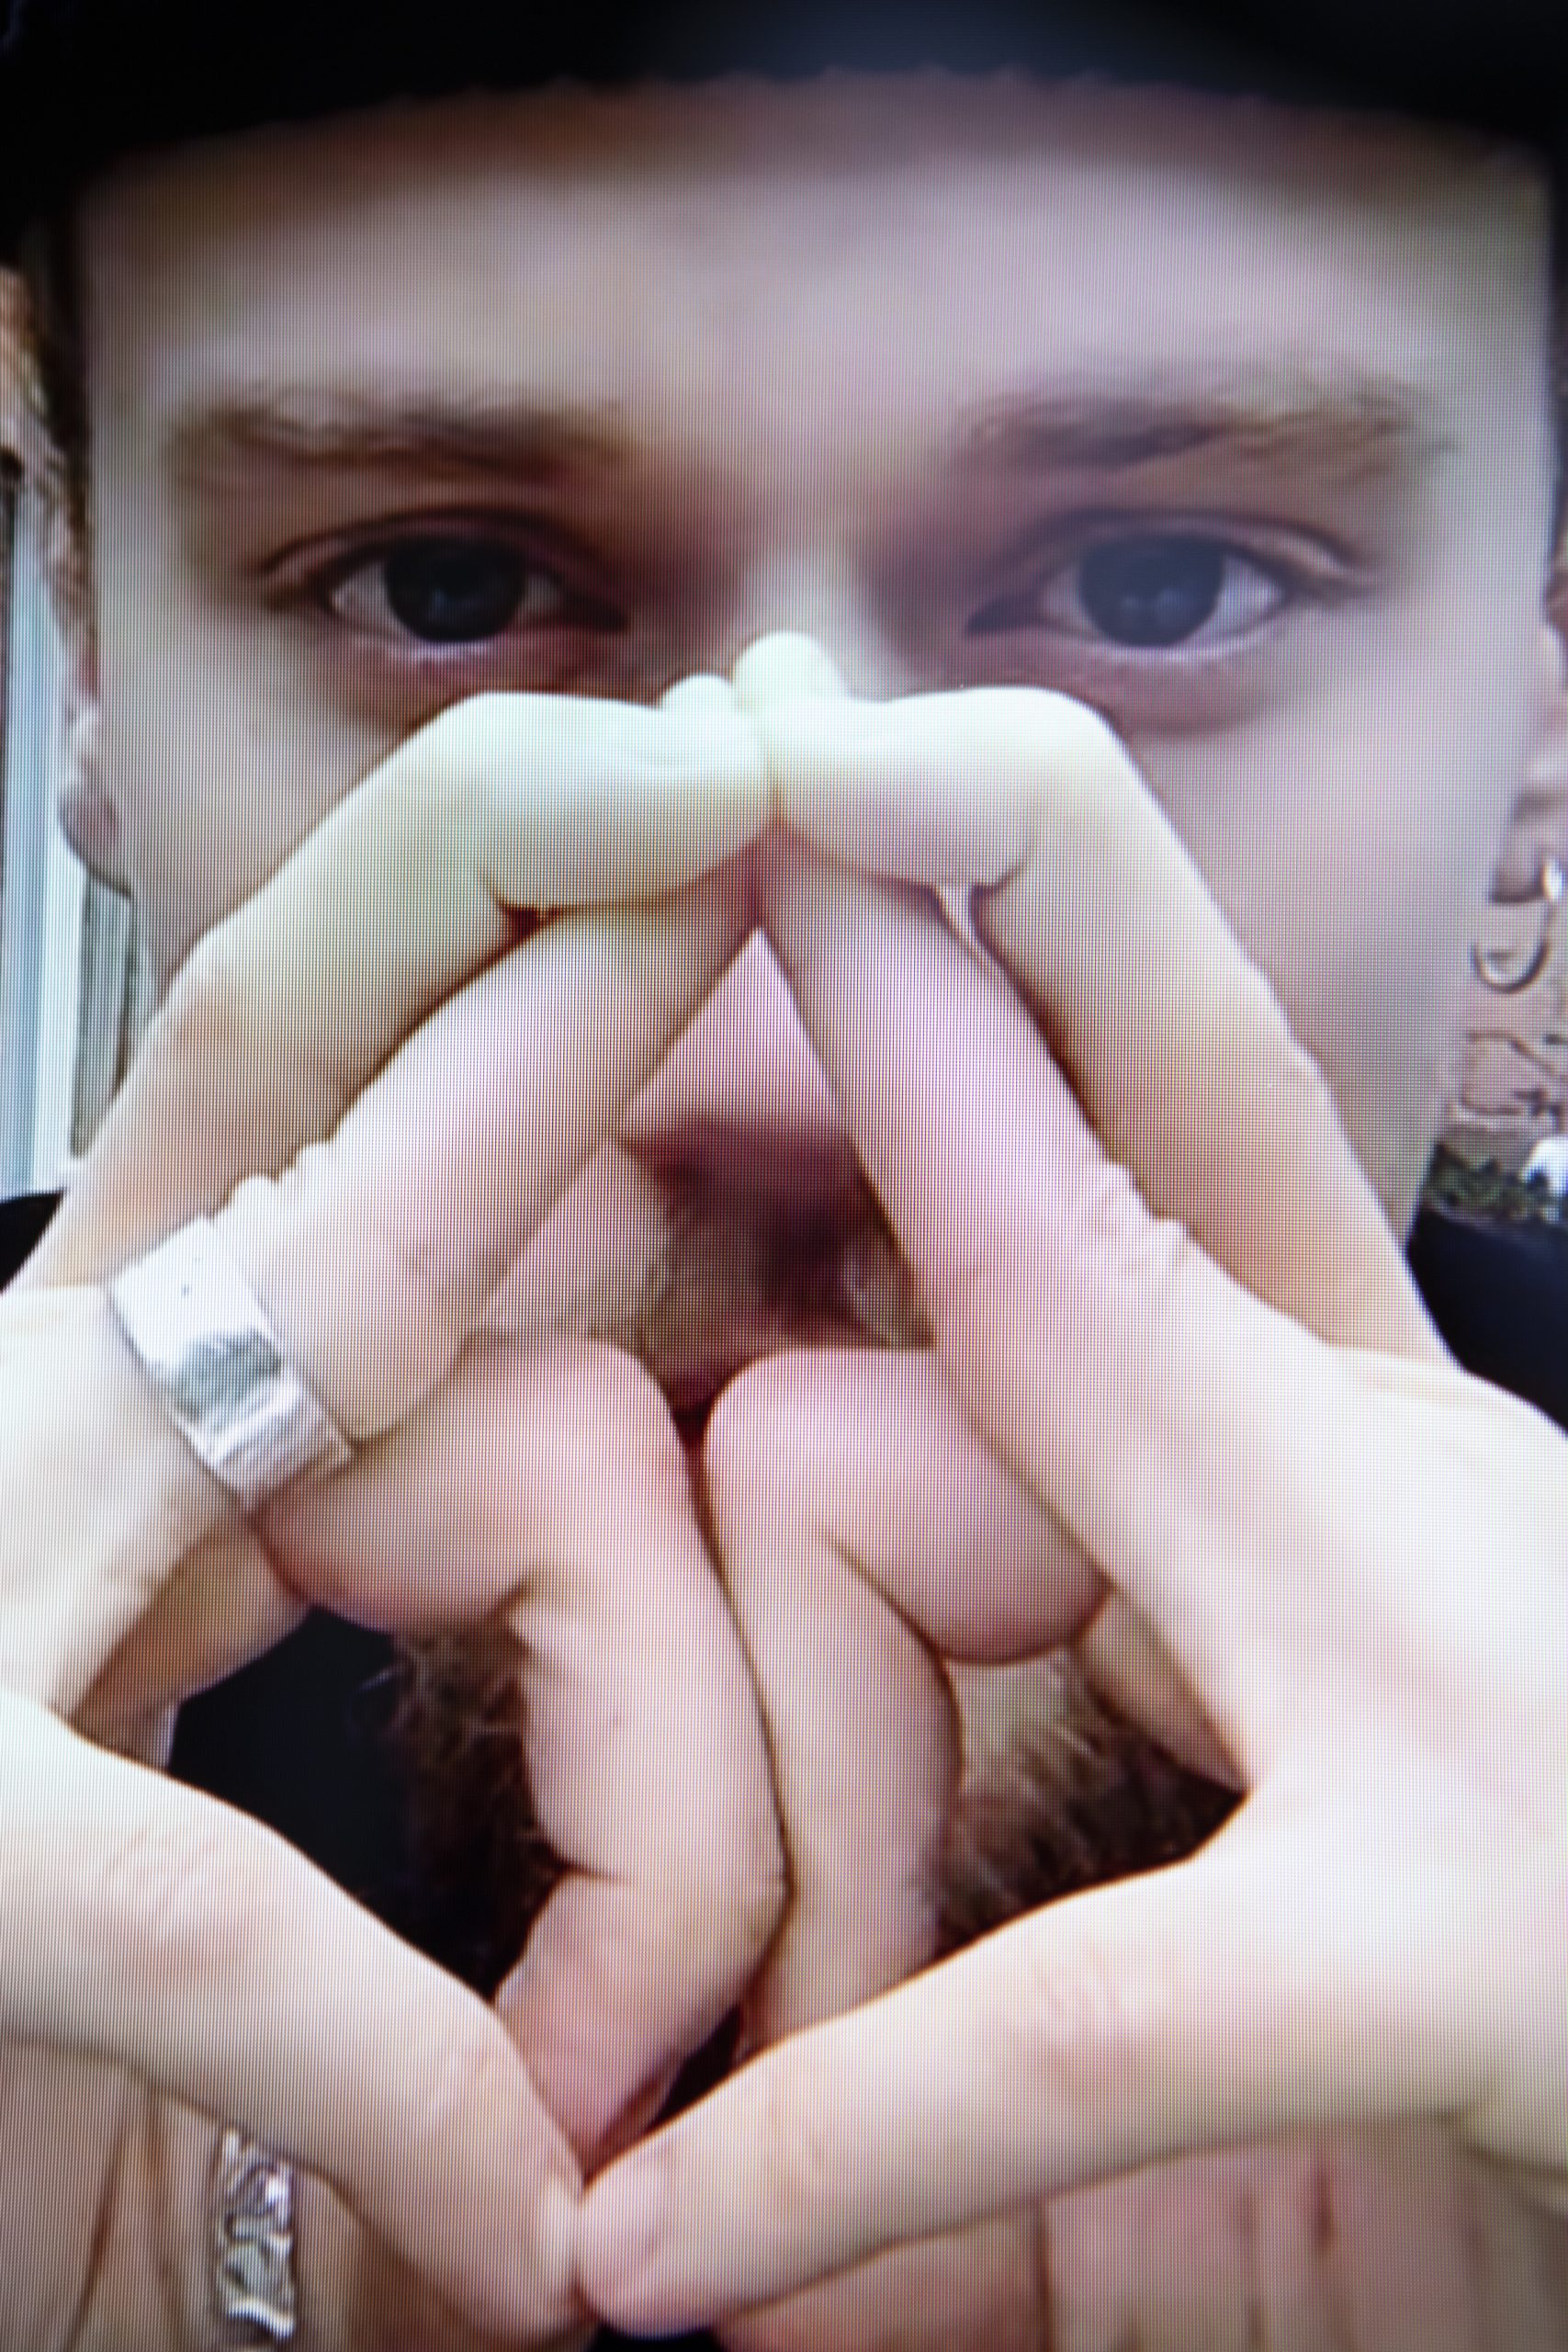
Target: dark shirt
{"x":299,"y":1738}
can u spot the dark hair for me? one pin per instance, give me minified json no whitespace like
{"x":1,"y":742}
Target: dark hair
{"x":85,"y":81}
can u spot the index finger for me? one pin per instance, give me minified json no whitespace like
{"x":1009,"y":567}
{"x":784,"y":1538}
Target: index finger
{"x":1172,"y":1038}
{"x":506,"y":810}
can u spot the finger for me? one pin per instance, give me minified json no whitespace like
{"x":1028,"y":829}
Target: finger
{"x":982,"y":2287}
{"x":505,"y":808}
{"x":647,"y":1768}
{"x":1173,"y":1041}
{"x":1136,"y":1674}
{"x":786,"y":667}
{"x":866,"y":1534}
{"x":1082,"y":1333}
{"x":702,"y":695}
{"x":375,"y":1256}
{"x":1165,"y":2014}
{"x":377,"y":1252}
{"x":163,"y":1934}
{"x":1119,"y":1651}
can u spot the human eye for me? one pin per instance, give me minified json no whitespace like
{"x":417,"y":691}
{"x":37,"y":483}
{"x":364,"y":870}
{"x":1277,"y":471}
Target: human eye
{"x":1153,"y":590}
{"x":450,"y":588}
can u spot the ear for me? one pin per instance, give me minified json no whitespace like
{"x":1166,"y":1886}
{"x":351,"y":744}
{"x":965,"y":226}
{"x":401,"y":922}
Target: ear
{"x":88,"y":815}
{"x":1537,"y":825}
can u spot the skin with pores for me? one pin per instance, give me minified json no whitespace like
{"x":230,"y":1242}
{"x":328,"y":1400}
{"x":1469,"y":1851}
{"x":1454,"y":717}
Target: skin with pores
{"x":674,"y":355}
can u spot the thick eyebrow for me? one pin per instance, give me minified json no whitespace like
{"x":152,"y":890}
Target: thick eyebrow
{"x":212,"y":448}
{"x":1356,"y":430}
{"x":1360,"y":429}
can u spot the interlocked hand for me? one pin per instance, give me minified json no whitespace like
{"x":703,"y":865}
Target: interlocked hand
{"x":1178,"y":1359}
{"x":406,"y":1045}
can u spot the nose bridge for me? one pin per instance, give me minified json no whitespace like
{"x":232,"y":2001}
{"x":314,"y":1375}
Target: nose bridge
{"x":746,"y":1064}
{"x":815,"y":581}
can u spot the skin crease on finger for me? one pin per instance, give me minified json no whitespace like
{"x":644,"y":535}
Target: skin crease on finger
{"x":672,"y":356}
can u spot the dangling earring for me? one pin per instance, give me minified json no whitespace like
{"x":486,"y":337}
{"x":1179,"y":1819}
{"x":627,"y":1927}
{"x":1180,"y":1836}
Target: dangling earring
{"x":1496,"y":969}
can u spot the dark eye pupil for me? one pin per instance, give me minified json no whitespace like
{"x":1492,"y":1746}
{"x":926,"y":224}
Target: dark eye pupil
{"x":1153,"y":590}
{"x":453,"y":591}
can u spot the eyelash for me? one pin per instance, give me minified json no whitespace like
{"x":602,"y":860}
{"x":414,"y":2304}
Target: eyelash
{"x":1293,"y":583}
{"x":314,"y":592}
{"x":1313,"y":576}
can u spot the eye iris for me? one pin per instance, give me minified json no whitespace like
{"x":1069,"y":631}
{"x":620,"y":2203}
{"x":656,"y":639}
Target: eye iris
{"x":1154,"y":591}
{"x":454,"y":591}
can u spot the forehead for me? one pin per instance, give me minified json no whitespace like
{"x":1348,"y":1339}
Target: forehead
{"x":826,"y":255}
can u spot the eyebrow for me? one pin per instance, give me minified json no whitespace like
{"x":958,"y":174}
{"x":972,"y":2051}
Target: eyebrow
{"x":335,"y":432}
{"x":1357,"y":428}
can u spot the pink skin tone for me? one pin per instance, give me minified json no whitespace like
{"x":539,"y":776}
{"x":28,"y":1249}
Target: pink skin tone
{"x":1322,"y":345}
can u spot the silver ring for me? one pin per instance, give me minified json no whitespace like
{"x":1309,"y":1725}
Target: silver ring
{"x":205,"y":1342}
{"x":250,"y":2240}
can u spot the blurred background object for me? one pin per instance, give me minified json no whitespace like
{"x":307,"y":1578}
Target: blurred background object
{"x":1510,"y":1086}
{"x":74,"y":993}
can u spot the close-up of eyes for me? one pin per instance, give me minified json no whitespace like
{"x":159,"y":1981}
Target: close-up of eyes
{"x":451,"y":588}
{"x":1149,"y":590}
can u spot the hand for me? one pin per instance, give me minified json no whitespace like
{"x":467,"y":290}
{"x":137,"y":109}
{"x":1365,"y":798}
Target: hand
{"x":1274,"y":1468}
{"x":154,"y":1935}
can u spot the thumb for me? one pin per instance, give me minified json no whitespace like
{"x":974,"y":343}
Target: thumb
{"x":1142,"y":2021}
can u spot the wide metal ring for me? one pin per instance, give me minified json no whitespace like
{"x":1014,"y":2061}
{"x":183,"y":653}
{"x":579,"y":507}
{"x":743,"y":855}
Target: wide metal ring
{"x":219,"y":1369}
{"x":251,"y":2241}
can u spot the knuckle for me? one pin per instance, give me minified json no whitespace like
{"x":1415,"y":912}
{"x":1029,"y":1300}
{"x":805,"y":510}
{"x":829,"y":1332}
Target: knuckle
{"x":171,"y":1900}
{"x":1075,"y":2009}
{"x":604,"y":1394}
{"x":1300,"y":1082}
{"x":760,"y":1902}
{"x":465,"y":2072}
{"x":703,"y":1925}
{"x":1099,"y":1225}
{"x":207,"y":1006}
{"x":432,"y":796}
{"x":459,"y":742}
{"x":603,"y":1407}
{"x":743,"y":1909}
{"x":801,"y":2156}
{"x":768,"y":1429}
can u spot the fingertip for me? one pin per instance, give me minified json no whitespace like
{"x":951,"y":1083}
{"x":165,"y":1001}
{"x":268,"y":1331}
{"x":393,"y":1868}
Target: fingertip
{"x":624,"y":2229}
{"x":923,"y":790}
{"x":786,"y":666}
{"x":606,"y":802}
{"x":702,"y":695}
{"x":555,"y":2244}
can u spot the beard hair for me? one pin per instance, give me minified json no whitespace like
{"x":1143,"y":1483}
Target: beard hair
{"x":1079,"y":1798}
{"x":753,"y":1261}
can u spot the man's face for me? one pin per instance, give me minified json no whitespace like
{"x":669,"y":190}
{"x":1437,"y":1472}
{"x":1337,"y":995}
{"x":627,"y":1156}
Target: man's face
{"x":1230,"y":421}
